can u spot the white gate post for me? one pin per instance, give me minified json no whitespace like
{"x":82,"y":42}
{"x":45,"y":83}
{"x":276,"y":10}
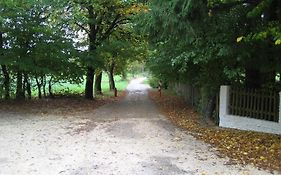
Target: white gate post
{"x":279,"y":108}
{"x":224,"y":101}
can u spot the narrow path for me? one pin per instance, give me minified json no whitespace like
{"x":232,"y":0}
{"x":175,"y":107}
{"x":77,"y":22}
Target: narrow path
{"x":124,"y":138}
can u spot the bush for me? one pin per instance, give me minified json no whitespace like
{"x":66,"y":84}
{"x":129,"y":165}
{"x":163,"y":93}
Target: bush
{"x":153,"y":82}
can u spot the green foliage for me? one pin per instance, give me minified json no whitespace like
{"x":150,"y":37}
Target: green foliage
{"x":265,"y":13}
{"x":211,"y":43}
{"x":64,"y":88}
{"x":36,"y":45}
{"x":57,"y":40}
{"x":153,"y":82}
{"x":199,"y":48}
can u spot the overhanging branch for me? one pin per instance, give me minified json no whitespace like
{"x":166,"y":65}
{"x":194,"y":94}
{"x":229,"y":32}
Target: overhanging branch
{"x":115,"y":23}
{"x":82,"y":27}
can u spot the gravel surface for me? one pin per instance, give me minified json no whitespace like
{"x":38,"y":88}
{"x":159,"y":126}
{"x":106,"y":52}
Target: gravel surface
{"x":124,"y":138}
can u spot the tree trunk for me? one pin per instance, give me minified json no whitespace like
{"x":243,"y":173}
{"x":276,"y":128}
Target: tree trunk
{"x":98,"y":79}
{"x":210,"y":107}
{"x":89,"y":88}
{"x":111,"y":77}
{"x":208,"y":103}
{"x":50,"y":88}
{"x":27,"y":86}
{"x":19,"y":91}
{"x":5,"y":71}
{"x":6,"y":81}
{"x":24,"y":84}
{"x":111,"y":81}
{"x":124,"y":76}
{"x":90,"y":83}
{"x":44,"y":85}
{"x":39,"y":88}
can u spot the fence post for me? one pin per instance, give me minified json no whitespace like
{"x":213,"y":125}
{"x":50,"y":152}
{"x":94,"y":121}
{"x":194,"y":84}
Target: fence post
{"x":279,"y":108}
{"x":224,"y":101}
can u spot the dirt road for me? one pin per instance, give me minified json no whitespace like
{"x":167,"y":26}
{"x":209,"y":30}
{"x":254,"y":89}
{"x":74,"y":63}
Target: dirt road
{"x":123,"y":138}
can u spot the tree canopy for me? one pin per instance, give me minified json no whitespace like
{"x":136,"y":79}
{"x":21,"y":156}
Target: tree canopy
{"x":205,"y":43}
{"x":43,"y":42}
{"x":211,"y":43}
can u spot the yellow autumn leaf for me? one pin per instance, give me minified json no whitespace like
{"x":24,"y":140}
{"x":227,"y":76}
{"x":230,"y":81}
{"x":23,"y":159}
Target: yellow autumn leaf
{"x":257,"y":149}
{"x":239,"y":39}
{"x":277,"y":42}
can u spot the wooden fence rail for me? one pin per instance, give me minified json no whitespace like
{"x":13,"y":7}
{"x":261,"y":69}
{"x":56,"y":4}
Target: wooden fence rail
{"x":254,"y":103}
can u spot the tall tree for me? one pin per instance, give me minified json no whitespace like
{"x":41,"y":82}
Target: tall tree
{"x":191,"y":42}
{"x":4,"y":69}
{"x":99,"y":19}
{"x":30,"y":29}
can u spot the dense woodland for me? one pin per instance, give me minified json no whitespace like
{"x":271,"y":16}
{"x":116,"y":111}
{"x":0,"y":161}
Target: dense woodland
{"x":206,"y":43}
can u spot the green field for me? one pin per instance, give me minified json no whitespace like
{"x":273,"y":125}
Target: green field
{"x":68,"y":88}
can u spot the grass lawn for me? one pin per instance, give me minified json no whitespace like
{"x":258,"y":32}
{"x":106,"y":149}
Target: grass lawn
{"x":66,"y":106}
{"x":146,"y":81}
{"x":120,"y":84}
{"x":68,"y":88}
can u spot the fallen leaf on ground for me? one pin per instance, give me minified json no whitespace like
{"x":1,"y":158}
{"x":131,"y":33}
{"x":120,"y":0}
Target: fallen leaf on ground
{"x":244,"y":147}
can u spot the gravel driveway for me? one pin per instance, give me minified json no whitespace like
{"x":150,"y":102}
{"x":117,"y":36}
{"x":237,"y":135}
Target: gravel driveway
{"x":123,"y":138}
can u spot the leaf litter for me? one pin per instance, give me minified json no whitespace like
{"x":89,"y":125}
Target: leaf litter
{"x":242,"y":147}
{"x":64,"y":106}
